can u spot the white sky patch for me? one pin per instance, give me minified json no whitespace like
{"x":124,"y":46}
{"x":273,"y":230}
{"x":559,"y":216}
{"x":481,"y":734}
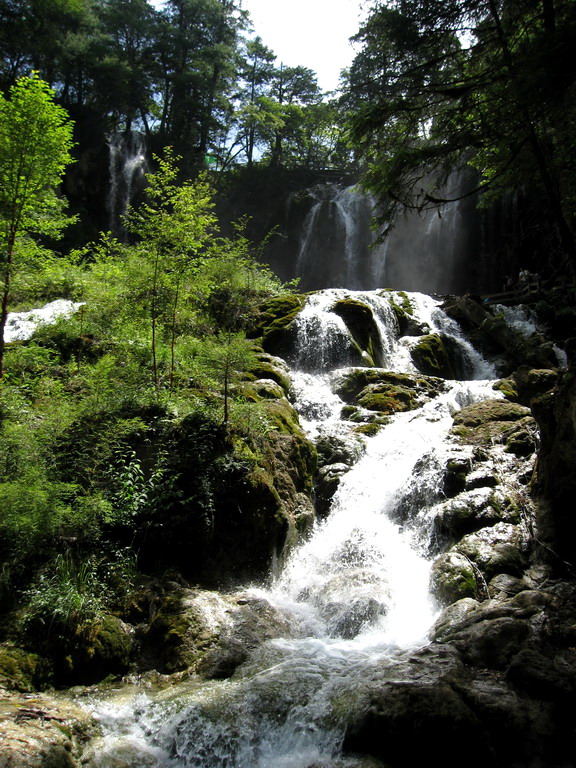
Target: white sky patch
{"x":310,"y":33}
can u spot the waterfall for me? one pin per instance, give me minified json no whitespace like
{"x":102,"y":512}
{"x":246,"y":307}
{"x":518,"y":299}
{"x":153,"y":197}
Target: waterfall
{"x":127,"y":166}
{"x":432,"y":251}
{"x":336,"y":238}
{"x":355,"y":591}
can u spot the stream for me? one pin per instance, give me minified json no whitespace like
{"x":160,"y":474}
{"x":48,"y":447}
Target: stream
{"x":355,"y":591}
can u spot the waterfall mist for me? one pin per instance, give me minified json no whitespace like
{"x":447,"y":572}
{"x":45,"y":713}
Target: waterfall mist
{"x":433,"y":251}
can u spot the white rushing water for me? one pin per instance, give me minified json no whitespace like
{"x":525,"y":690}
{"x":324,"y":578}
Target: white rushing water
{"x":356,"y":589}
{"x":21,"y":325}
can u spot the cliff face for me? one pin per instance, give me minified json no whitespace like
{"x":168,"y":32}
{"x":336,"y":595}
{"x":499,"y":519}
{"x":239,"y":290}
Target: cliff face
{"x":555,"y":483}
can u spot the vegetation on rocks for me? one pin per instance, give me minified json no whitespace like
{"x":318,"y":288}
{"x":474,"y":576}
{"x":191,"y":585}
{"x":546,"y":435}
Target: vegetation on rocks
{"x":143,"y":434}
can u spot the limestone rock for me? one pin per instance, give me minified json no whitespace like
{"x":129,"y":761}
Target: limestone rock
{"x":501,"y":548}
{"x":41,"y":731}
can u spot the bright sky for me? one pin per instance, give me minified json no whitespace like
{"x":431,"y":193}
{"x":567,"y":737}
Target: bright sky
{"x":311,"y":33}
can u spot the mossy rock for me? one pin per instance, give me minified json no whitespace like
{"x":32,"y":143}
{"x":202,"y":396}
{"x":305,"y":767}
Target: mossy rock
{"x":110,"y":648}
{"x":497,"y":421}
{"x":474,"y":509}
{"x":276,"y":323}
{"x":508,"y":388}
{"x":23,"y":671}
{"x":501,"y":548}
{"x":270,"y":367}
{"x":533,"y":382}
{"x":282,"y":417}
{"x":178,"y":636}
{"x":408,"y":325}
{"x":387,"y":399}
{"x":455,"y":475}
{"x":431,"y":357}
{"x":350,"y":385}
{"x":262,"y":389}
{"x":369,"y":430}
{"x":359,"y":320}
{"x":87,"y":653}
{"x":452,"y":578}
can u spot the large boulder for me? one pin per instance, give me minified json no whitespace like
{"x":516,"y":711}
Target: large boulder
{"x":359,"y":320}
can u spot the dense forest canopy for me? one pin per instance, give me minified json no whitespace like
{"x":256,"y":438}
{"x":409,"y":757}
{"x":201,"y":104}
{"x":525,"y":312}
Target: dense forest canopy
{"x":188,"y":75}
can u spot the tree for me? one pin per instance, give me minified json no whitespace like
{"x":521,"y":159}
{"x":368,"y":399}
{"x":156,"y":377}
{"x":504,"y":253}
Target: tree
{"x":174,"y":225}
{"x":197,"y":51}
{"x":487,"y":83}
{"x":35,"y":149}
{"x":227,"y":357}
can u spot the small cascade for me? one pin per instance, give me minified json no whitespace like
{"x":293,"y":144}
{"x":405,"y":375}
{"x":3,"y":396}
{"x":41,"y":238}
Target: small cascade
{"x":355,"y":592}
{"x":128,"y":164}
{"x":21,"y":325}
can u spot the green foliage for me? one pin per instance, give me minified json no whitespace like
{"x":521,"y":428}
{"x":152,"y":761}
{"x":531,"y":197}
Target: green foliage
{"x":35,"y":148}
{"x":68,"y":593}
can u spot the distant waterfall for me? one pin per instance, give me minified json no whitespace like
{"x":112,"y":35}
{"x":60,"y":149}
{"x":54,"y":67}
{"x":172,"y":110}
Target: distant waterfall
{"x":432,"y":251}
{"x":128,"y":164}
{"x":335,"y":241}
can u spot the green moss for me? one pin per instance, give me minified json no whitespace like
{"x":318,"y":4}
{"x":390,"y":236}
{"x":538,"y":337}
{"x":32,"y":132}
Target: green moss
{"x":431,"y":357}
{"x":368,"y":429}
{"x":352,"y":383}
{"x":22,"y":671}
{"x":497,"y":421}
{"x":387,"y":399}
{"x":177,"y":637}
{"x":275,"y":321}
{"x":508,"y":388}
{"x":359,"y":320}
{"x":282,"y":417}
{"x":266,"y":370}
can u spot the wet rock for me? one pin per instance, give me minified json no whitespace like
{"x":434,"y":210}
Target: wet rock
{"x":276,"y":324}
{"x":523,"y":733}
{"x":404,"y":719}
{"x":327,"y":484}
{"x":359,"y":320}
{"x":502,"y":548}
{"x":347,"y":620}
{"x":350,"y":384}
{"x":455,"y":474}
{"x":274,"y":368}
{"x":452,"y":578}
{"x":555,"y":476}
{"x":252,"y":621}
{"x":543,"y":677}
{"x":503,"y":586}
{"x":209,"y":633}
{"x":41,"y":731}
{"x":532,"y":382}
{"x":187,"y":624}
{"x":439,"y":355}
{"x":473,"y":510}
{"x":457,"y":618}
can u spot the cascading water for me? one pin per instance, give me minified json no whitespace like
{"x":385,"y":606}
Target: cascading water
{"x":431,"y":250}
{"x":21,"y":325}
{"x":355,"y":593}
{"x":128,"y":163}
